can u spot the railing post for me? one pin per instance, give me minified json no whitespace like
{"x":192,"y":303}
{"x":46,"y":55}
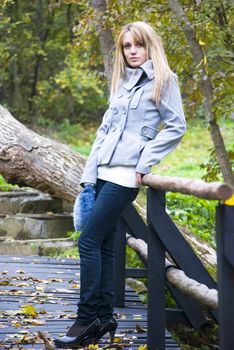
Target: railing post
{"x":156,"y":282}
{"x":225,"y":259}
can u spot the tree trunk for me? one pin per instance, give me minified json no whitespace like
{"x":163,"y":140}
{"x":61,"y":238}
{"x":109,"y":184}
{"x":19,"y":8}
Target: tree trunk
{"x":105,"y":38}
{"x":38,"y":61}
{"x":207,"y":92}
{"x":223,"y":23}
{"x":31,"y":160}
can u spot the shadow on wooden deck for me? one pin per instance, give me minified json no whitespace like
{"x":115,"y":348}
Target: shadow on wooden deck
{"x":50,"y":288}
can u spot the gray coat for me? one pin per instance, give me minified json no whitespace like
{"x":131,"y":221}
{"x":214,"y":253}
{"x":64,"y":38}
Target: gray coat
{"x":128,"y":134}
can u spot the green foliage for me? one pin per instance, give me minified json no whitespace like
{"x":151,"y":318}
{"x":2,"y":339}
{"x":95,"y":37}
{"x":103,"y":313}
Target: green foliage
{"x":44,"y":73}
{"x":74,"y":235}
{"x":132,"y":259}
{"x":52,"y":64}
{"x":212,"y":23}
{"x":76,"y":135}
{"x":4,"y":186}
{"x":212,"y":168}
{"x":68,"y":253}
{"x":198,"y":215}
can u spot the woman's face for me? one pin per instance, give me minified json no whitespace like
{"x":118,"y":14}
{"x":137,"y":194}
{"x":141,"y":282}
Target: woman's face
{"x":134,"y":52}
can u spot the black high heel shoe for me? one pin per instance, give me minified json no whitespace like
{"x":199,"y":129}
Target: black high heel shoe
{"x":110,"y":326}
{"x":79,"y":335}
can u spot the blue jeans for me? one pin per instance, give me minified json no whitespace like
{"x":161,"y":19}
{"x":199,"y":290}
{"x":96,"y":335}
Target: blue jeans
{"x":96,"y":248}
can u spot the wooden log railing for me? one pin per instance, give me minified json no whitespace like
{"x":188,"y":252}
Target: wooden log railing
{"x":196,"y":187}
{"x":178,"y":279}
{"x":162,"y":236}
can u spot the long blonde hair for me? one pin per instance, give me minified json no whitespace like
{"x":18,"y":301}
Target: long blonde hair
{"x":144,"y":33}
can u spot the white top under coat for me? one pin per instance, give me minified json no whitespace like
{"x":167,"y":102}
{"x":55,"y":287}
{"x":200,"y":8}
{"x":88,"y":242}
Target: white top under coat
{"x":121,"y":175}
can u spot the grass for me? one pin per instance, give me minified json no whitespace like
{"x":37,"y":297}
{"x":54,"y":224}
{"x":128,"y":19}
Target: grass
{"x":193,"y":150}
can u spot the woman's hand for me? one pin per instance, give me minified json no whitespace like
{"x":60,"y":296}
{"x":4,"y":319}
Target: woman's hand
{"x":139,"y":178}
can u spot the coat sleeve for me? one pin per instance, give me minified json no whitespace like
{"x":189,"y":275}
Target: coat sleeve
{"x":172,"y":115}
{"x":90,"y":171}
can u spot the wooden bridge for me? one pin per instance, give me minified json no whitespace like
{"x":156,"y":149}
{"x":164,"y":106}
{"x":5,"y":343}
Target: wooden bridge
{"x":49,"y":288}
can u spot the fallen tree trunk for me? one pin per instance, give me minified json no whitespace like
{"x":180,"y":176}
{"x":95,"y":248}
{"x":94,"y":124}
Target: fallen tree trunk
{"x":28,"y":159}
{"x":193,"y":289}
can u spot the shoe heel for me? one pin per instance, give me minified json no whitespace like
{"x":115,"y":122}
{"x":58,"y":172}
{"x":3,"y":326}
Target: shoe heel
{"x":112,"y":336}
{"x":88,"y":340}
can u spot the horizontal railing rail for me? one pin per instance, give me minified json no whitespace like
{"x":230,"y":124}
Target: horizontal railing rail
{"x":196,"y":187}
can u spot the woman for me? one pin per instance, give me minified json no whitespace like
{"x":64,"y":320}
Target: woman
{"x":144,"y":95}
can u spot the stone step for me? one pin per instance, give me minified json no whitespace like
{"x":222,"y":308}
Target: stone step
{"x":35,"y":226}
{"x":35,"y":246}
{"x":2,"y":229}
{"x":31,"y":201}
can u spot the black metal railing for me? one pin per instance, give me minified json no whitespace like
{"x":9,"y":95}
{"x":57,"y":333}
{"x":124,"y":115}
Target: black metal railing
{"x":162,"y":236}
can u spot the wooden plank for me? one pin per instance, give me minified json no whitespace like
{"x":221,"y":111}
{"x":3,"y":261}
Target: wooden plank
{"x":58,"y":300}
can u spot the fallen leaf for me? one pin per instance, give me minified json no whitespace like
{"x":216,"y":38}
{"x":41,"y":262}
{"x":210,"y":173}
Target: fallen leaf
{"x":63,"y":290}
{"x":4,"y":283}
{"x":42,"y":312}
{"x":20,"y":271}
{"x":40,"y":288}
{"x":34,"y":322}
{"x":140,"y":329}
{"x":15,"y":323}
{"x":28,"y":310}
{"x":137,"y":317}
{"x":56,"y":280}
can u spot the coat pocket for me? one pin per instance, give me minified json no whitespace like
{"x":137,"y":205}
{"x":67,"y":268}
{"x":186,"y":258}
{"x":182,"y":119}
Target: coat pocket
{"x":149,"y":132}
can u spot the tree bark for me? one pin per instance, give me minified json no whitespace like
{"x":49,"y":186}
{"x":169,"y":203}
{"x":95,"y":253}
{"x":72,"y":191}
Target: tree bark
{"x":196,"y":187}
{"x":105,"y":37}
{"x":207,"y":92}
{"x":29,"y":159}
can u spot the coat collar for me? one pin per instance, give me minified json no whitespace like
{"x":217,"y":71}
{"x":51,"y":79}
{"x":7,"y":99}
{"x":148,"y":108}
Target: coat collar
{"x":132,"y":75}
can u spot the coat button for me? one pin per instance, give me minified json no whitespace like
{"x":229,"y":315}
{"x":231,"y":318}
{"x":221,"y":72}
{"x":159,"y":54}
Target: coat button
{"x":115,"y":110}
{"x":144,"y":131}
{"x":114,"y":129}
{"x":124,"y":111}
